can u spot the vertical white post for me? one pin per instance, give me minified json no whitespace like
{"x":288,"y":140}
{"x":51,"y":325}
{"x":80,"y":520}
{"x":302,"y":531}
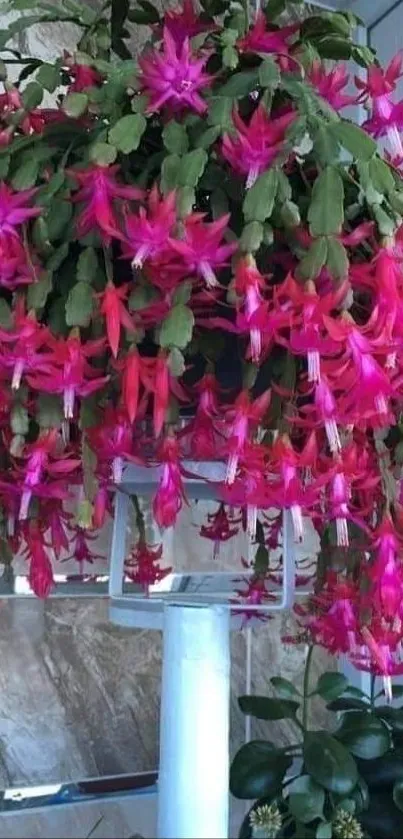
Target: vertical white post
{"x":193,"y":787}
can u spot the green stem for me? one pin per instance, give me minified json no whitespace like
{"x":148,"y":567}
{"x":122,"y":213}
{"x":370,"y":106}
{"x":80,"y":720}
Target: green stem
{"x":306,"y":689}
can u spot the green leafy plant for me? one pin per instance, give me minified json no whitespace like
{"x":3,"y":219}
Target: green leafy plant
{"x":345,"y":780}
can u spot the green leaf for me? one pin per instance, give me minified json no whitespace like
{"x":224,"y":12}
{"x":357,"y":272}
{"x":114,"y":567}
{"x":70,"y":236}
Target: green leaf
{"x":392,"y":716}
{"x":324,"y":831}
{"x":284,"y":688}
{"x":37,"y":294}
{"x":5,"y":314}
{"x":252,"y":237}
{"x":208,"y":137}
{"x":337,"y":259}
{"x":364,"y":735}
{"x":79,"y":305}
{"x":396,"y":201}
{"x":19,"y":419}
{"x":258,"y":770}
{"x":182,"y":293}
{"x":185,"y":199}
{"x":26,"y":175}
{"x":127,"y":133}
{"x":230,"y":57}
{"x":312,"y":263}
{"x":141,"y":297}
{"x":381,"y":176}
{"x":398,"y":795}
{"x":49,"y":76}
{"x":267,"y":708}
{"x":331,"y":685}
{"x":177,"y":328}
{"x":269,"y":73}
{"x":102,"y":154}
{"x":170,"y":173}
{"x":326,"y":146}
{"x":290,"y":215}
{"x":240,"y":84}
{"x":75,"y":104}
{"x":4,"y":166}
{"x":176,"y":362}
{"x":259,"y":201}
{"x":58,"y":256}
{"x":220,"y":113}
{"x":329,"y":763}
{"x":346,"y":704}
{"x":49,"y":411}
{"x":360,"y":145}
{"x":326,"y":211}
{"x":192,"y":167}
{"x":87,"y":265}
{"x":32,"y":96}
{"x":335,"y":47}
{"x":383,"y":772}
{"x":175,"y":138}
{"x":386,"y":225}
{"x":306,"y":799}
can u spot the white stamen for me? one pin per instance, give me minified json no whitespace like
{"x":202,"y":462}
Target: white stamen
{"x":253,"y":174}
{"x":298,"y":524}
{"x":232,"y":466}
{"x":140,"y":256}
{"x":251,"y":521}
{"x":25,"y":500}
{"x":332,"y":433}
{"x":208,"y":274}
{"x":395,"y":141}
{"x":313,"y":366}
{"x":17,"y":374}
{"x":117,"y":469}
{"x":342,"y":533}
{"x":255,"y":344}
{"x":391,"y":360}
{"x":387,"y":686}
{"x":68,"y":402}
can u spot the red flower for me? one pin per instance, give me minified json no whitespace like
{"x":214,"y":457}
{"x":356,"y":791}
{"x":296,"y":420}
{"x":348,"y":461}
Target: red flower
{"x":98,"y":190}
{"x":170,"y":494}
{"x":143,"y":565}
{"x":147,"y":232}
{"x":255,"y":146}
{"x":116,"y":314}
{"x":173,"y":76}
{"x":201,"y":249}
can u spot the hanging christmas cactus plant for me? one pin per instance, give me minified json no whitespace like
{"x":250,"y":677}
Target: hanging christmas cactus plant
{"x":201,"y":257}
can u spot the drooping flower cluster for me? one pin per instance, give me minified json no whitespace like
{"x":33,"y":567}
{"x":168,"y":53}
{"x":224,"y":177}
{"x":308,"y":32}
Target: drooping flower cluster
{"x":201,"y":260}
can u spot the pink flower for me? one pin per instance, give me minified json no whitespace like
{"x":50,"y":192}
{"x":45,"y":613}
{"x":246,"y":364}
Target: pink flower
{"x":143,"y":565}
{"x":201,"y":250}
{"x":81,"y":549}
{"x":70,"y":374}
{"x":147,"y":232}
{"x":387,"y":117}
{"x":255,"y":146}
{"x":130,"y":367}
{"x":14,"y":267}
{"x":116,"y":315}
{"x":170,"y":494}
{"x":183,"y":23}
{"x":158,"y":380}
{"x":40,"y":576}
{"x":113,"y":442}
{"x":386,"y":572}
{"x":173,"y":76}
{"x":330,"y":85}
{"x":262,"y":39}
{"x":14,"y":210}
{"x":218,"y":528}
{"x":241,"y":418}
{"x":83,"y":76}
{"x":26,"y":339}
{"x":44,"y":460}
{"x":327,"y":410}
{"x":255,"y":593}
{"x":98,"y":190}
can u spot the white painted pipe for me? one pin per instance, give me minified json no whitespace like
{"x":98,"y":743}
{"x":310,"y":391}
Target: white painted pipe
{"x":193,"y":781}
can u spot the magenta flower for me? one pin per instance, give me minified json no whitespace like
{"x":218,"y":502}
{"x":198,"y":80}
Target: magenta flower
{"x":385,"y":572}
{"x":328,"y":414}
{"x":40,"y":576}
{"x":241,"y":418}
{"x":170,"y":494}
{"x":98,"y":190}
{"x":255,"y":146}
{"x":143,"y":565}
{"x":147,"y":232}
{"x":387,"y":116}
{"x":14,"y":267}
{"x":183,"y":23}
{"x":201,"y":249}
{"x":71,"y":375}
{"x":173,"y":76}
{"x":330,"y":85}
{"x":14,"y":210}
{"x":116,"y":315}
{"x":25,"y":340}
{"x":81,"y":549}
{"x":113,"y":442}
{"x":261,"y":39}
{"x":218,"y":528}
{"x":43,"y":460}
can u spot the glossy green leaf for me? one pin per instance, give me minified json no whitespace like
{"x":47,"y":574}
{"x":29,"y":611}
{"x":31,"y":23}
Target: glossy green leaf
{"x":75,"y":104}
{"x":176,"y":362}
{"x":306,"y":799}
{"x":170,"y":173}
{"x":87,"y":265}
{"x":26,"y":175}
{"x":392,"y":716}
{"x":326,"y":213}
{"x":259,"y":201}
{"x":347,"y":704}
{"x":366,"y":736}
{"x":49,"y":76}
{"x":192,"y":167}
{"x":185,"y":200}
{"x":127,"y":133}
{"x":49,"y":411}
{"x":268,"y":708}
{"x":32,"y":96}
{"x":384,"y":771}
{"x":240,"y":84}
{"x":354,"y":139}
{"x":177,"y":328}
{"x":38,"y":292}
{"x":326,"y":146}
{"x":312,"y":263}
{"x":230,"y":57}
{"x":386,"y":224}
{"x":381,"y":176}
{"x":220,"y":112}
{"x":337,"y":261}
{"x":269,"y":74}
{"x":175,"y":138}
{"x":329,"y":763}
{"x":284,"y":688}
{"x":208,"y":137}
{"x":258,"y":770}
{"x":331,"y":685}
{"x":252,"y":237}
{"x":19,"y":419}
{"x":324,"y":830}
{"x":79,"y":305}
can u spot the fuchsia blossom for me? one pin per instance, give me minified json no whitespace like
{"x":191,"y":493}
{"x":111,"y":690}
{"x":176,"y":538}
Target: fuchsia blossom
{"x":158,"y":380}
{"x":113,"y":442}
{"x":260,"y":39}
{"x":81,"y":550}
{"x":98,"y":190}
{"x":183,"y":23}
{"x":131,"y":373}
{"x":40,"y":576}
{"x":116,"y":315}
{"x":255,"y":146}
{"x":20,"y":350}
{"x":14,"y":210}
{"x":44,"y":461}
{"x":386,"y":572}
{"x":330,"y":85}
{"x":201,"y":249}
{"x":170,"y":494}
{"x":69,"y":373}
{"x":143,"y":565}
{"x":243,"y":416}
{"x":83,"y":76}
{"x":387,"y":117}
{"x":173,"y":76}
{"x":147,"y":232}
{"x":218,"y":528}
